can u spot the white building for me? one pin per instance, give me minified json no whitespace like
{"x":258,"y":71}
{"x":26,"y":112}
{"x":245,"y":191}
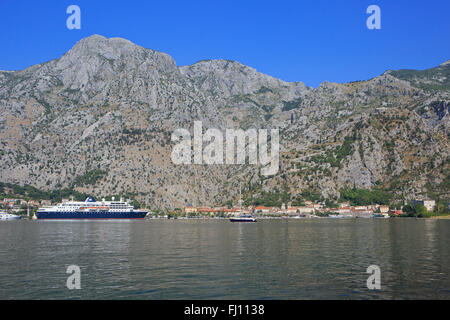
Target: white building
{"x":304,"y":210}
{"x":429,"y":204}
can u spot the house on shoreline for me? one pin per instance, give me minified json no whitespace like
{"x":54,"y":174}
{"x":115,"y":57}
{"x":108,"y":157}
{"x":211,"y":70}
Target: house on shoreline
{"x":429,"y":204}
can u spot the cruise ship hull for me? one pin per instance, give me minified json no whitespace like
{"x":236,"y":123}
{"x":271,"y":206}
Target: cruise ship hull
{"x":80,"y":215}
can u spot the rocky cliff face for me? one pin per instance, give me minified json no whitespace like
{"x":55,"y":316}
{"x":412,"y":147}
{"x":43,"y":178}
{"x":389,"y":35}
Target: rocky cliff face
{"x":99,"y":119}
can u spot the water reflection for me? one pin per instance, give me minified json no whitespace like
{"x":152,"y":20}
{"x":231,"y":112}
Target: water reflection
{"x":178,"y":259}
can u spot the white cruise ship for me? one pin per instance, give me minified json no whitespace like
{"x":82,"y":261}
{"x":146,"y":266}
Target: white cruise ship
{"x":91,"y":209}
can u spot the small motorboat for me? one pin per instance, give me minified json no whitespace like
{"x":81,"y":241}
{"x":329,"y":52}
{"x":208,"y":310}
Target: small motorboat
{"x":380,"y":215}
{"x":243,"y":218}
{"x":8,"y":216}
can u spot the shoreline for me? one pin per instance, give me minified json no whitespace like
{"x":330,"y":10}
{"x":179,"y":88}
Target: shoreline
{"x":440,"y":217}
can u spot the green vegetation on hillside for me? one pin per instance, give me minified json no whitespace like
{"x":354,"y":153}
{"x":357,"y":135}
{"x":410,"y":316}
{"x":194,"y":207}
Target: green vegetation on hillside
{"x":30,"y":192}
{"x":430,"y":79}
{"x":362,"y":197}
{"x":89,"y":178}
{"x":268,"y":199}
{"x":290,"y":105}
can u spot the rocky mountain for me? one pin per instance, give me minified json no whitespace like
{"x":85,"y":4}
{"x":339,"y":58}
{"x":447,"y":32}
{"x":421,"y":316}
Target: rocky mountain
{"x":100,"y":118}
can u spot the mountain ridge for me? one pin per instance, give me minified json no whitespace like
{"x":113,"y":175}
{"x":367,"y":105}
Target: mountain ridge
{"x":97,"y":37}
{"x":111,"y":105}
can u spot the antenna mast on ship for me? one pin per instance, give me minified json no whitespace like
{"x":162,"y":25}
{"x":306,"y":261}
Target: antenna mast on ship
{"x":240,"y":199}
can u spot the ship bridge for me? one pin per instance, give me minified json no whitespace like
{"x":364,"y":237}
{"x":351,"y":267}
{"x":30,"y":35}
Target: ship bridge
{"x":90,"y":199}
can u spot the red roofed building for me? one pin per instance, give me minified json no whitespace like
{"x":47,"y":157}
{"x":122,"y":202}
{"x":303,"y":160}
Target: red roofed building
{"x":205,"y":210}
{"x":343,"y":210}
{"x":262,"y":209}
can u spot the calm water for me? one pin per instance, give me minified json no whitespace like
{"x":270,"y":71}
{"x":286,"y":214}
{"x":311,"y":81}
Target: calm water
{"x":215,"y":259}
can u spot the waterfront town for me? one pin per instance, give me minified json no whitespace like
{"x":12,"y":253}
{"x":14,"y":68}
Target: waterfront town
{"x":308,"y":210}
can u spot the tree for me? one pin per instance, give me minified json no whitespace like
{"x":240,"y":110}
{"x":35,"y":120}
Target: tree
{"x":330,"y":204}
{"x":298,"y":202}
{"x":442,"y":207}
{"x":408,"y":210}
{"x":421,"y":211}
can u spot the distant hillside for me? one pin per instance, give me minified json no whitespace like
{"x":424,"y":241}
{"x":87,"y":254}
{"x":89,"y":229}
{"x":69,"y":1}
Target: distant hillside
{"x":431,"y":79}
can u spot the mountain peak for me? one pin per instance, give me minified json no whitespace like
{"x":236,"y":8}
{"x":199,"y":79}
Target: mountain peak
{"x":94,"y":37}
{"x":111,"y":48}
{"x":116,"y":48}
{"x":114,"y":41}
{"x":97,"y":57}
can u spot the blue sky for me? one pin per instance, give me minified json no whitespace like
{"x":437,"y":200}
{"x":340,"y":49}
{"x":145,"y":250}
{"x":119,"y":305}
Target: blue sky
{"x":309,"y":41}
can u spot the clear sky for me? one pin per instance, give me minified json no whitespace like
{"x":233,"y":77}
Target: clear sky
{"x":310,"y":41}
